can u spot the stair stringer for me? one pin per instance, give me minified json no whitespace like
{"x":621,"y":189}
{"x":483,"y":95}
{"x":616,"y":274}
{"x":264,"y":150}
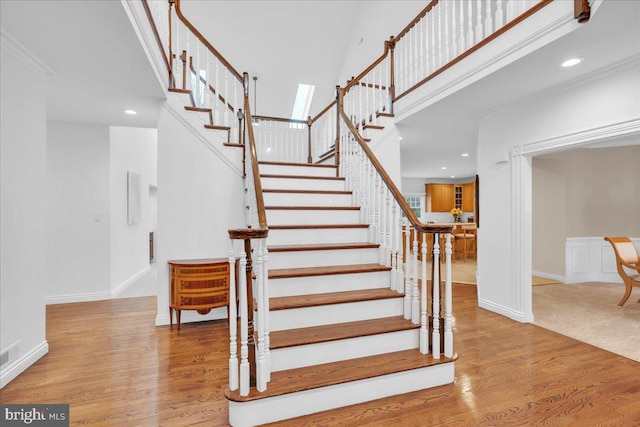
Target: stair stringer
{"x":212,"y":139}
{"x":262,"y":411}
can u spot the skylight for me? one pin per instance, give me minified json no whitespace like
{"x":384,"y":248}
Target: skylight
{"x":303,"y":102}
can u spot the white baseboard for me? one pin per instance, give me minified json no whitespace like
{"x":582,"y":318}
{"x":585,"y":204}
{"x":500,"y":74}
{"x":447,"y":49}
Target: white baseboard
{"x":11,"y":371}
{"x":549,"y":276}
{"x":502,"y":310}
{"x":130,"y":281}
{"x":98,"y":296}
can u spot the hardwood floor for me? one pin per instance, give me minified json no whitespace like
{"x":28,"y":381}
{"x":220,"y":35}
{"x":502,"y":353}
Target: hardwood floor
{"x":115,"y":368}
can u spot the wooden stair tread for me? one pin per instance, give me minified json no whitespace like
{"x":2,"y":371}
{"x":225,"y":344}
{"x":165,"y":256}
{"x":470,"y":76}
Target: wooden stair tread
{"x":230,"y":144}
{"x":314,"y":208}
{"x":176,"y":90}
{"x":281,"y":273}
{"x":366,"y":139}
{"x":297,"y":164}
{"x":316,"y":226}
{"x":330,"y":178}
{"x":315,"y":300}
{"x":217,"y":127}
{"x":379,"y":114}
{"x":328,"y":374}
{"x":322,"y":247}
{"x":273,"y":190}
{"x":197,"y":109}
{"x":373,"y":127}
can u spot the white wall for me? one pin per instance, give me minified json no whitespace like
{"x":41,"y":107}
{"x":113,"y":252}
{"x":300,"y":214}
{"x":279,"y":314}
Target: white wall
{"x":200,"y":197}
{"x":78,"y":217}
{"x":134,"y":150}
{"x":577,"y":114}
{"x":22,"y":216}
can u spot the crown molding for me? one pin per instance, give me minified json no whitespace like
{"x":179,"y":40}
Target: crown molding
{"x":22,"y":54}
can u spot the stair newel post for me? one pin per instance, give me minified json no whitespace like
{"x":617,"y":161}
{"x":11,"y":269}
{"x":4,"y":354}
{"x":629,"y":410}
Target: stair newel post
{"x":407,"y":271}
{"x":415,"y":291}
{"x":245,"y":382}
{"x":233,"y":325}
{"x":338,"y":106}
{"x":392,"y":73}
{"x":309,"y":157}
{"x":261,"y":383}
{"x":424,"y":334}
{"x":435,"y":287}
{"x":265,"y":307}
{"x":448,"y":302}
{"x":394,"y":253}
{"x":183,"y":58}
{"x":250,"y":312}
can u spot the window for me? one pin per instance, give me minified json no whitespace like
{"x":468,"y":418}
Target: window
{"x":415,"y":202}
{"x":302,"y":103}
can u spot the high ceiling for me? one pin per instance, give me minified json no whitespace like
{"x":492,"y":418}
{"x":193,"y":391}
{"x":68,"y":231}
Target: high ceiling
{"x":101,"y":69}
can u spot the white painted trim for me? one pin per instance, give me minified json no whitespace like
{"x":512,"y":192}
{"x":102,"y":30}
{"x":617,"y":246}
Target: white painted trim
{"x":503,"y":310}
{"x":602,"y":133}
{"x":130,"y":281}
{"x":11,"y":371}
{"x":550,"y":276}
{"x":22,"y":54}
{"x":262,"y":411}
{"x":591,"y":259}
{"x":236,"y":169}
{"x":64,"y":299}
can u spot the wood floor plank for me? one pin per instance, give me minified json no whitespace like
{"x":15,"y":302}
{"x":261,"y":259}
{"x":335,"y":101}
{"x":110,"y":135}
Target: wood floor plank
{"x":114,"y":367}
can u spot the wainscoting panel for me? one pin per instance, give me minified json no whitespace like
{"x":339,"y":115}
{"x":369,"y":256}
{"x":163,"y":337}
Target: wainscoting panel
{"x":591,"y":259}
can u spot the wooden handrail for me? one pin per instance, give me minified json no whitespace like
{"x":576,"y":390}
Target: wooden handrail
{"x":147,"y":10}
{"x":417,"y":19}
{"x":205,"y":42}
{"x":212,"y":89}
{"x":321,"y":113}
{"x":475,"y":47}
{"x":366,"y":71}
{"x":411,"y":216}
{"x":280,"y":119}
{"x":262,"y":216}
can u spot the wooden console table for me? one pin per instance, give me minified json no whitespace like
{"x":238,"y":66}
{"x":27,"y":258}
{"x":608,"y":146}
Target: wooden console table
{"x":198,"y":284}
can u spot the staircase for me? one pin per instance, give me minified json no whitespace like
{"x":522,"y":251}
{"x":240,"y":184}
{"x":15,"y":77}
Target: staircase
{"x":338,"y":335}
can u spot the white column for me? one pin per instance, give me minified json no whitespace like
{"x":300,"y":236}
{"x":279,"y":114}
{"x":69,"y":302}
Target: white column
{"x":448,"y":302}
{"x":244,"y":324}
{"x":407,"y":271}
{"x":261,"y":383}
{"x":436,"y":296}
{"x":233,"y":326}
{"x":424,"y":333}
{"x":415,"y":299}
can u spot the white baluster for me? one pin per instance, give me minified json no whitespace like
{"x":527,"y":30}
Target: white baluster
{"x":226,"y":97}
{"x":234,"y":136}
{"x":415,"y":298}
{"x":388,"y":226}
{"x":261,"y":383}
{"x":383,"y":224}
{"x":265,"y":307}
{"x":488,"y":21}
{"x":399,"y":266}
{"x":216,"y":115}
{"x":394,"y":254}
{"x":424,"y":333}
{"x":454,"y":32}
{"x":469,"y":24}
{"x":445,"y":18}
{"x":479,"y":30}
{"x":233,"y":326}
{"x":244,"y":325}
{"x":207,"y":92}
{"x":436,"y":297}
{"x":372,"y":200}
{"x":448,"y":302}
{"x":499,"y":20}
{"x":407,"y":271}
{"x":440,"y":38}
{"x":432,"y":50}
{"x":461,"y":40}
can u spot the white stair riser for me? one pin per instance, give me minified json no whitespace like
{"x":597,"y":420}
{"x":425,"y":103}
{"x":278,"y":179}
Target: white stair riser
{"x":262,"y":411}
{"x":299,"y":259}
{"x":325,"y":284}
{"x":303,"y":184}
{"x":310,"y":216}
{"x":304,"y":199}
{"x":318,"y":235}
{"x":335,"y":313}
{"x":335,"y":351}
{"x":296,"y":170}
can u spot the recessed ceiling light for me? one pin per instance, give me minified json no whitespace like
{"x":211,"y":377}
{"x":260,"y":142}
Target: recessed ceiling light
{"x":130,"y":112}
{"x":571,"y":62}
{"x":465,"y":154}
{"x":443,"y":168}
